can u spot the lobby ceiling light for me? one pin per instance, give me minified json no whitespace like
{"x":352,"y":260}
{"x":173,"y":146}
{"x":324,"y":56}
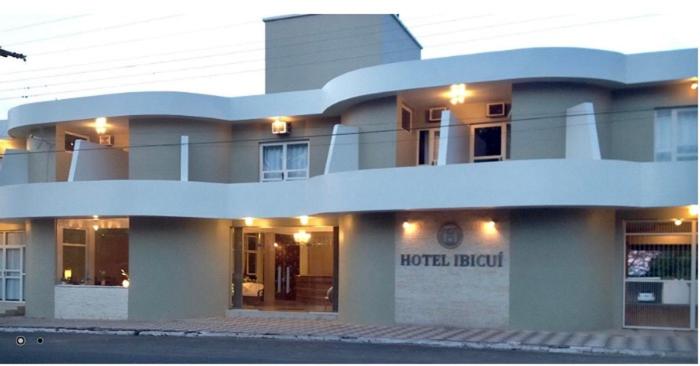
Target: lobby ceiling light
{"x":457,"y":93}
{"x":302,"y":237}
{"x":101,"y":125}
{"x":677,"y":222}
{"x":304,"y":220}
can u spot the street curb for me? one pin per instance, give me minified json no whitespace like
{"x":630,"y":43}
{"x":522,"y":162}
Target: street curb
{"x":502,"y":346}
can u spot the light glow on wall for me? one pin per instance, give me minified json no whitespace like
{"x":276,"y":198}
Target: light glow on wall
{"x":457,"y":93}
{"x":248,"y":221}
{"x":101,"y":125}
{"x":304,"y":220}
{"x":409,"y":227}
{"x":693,"y":209}
{"x":489,"y":227}
{"x":302,"y":237}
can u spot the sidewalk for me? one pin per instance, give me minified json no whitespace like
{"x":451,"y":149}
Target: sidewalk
{"x":681,"y":344}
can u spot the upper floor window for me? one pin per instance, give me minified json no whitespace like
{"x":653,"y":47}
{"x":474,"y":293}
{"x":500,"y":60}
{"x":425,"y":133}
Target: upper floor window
{"x":676,"y":134}
{"x":284,"y":161}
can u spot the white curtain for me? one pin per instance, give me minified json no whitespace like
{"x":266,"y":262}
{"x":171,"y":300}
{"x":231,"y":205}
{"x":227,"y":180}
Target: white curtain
{"x":272,"y":158}
{"x":12,"y":262}
{"x":662,"y":135}
{"x":297,"y":158}
{"x":687,"y":131}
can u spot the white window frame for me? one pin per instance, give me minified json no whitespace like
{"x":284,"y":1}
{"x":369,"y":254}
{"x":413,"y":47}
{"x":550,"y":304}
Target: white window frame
{"x":672,"y":131}
{"x":247,"y":252}
{"x":433,"y":139}
{"x":504,"y":139}
{"x":3,"y":257}
{"x":285,"y":172}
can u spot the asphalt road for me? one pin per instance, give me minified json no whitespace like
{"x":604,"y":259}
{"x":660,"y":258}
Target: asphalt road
{"x":81,"y":348}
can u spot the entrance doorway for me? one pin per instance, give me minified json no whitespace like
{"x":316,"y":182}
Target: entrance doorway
{"x":288,"y":269}
{"x":660,"y":280}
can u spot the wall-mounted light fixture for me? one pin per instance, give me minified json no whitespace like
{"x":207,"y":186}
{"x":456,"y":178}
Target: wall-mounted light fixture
{"x":457,"y":93}
{"x":489,"y":227}
{"x":409,"y":227}
{"x":677,"y":222}
{"x":96,"y":227}
{"x":302,"y":237}
{"x":101,"y":125}
{"x":280,"y":127}
{"x":304,"y":220}
{"x":248,"y":221}
{"x":693,"y":210}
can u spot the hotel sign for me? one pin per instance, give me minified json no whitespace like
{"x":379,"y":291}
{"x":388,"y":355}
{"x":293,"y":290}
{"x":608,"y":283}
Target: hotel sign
{"x":450,"y":236}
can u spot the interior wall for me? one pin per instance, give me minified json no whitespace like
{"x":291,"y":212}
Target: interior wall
{"x":179,"y":268}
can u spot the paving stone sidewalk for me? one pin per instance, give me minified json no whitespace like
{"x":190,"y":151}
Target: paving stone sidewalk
{"x":682,"y":344}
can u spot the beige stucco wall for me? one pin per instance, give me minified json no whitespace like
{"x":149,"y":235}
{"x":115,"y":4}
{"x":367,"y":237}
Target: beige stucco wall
{"x":179,"y":268}
{"x":245,"y":152}
{"x":41,"y":268}
{"x":632,"y":124}
{"x":366,"y":268}
{"x":156,"y":151}
{"x":468,"y":296}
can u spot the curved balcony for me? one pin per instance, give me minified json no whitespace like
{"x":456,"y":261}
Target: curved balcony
{"x":507,"y":184}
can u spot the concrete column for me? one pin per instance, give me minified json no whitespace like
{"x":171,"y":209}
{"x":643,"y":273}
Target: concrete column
{"x":269,"y":268}
{"x":41,"y":268}
{"x":366,"y":268}
{"x":237,"y":267}
{"x":179,"y":268}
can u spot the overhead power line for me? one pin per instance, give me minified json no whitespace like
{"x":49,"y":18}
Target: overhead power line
{"x":13,"y":29}
{"x":6,"y":53}
{"x":386,"y":130}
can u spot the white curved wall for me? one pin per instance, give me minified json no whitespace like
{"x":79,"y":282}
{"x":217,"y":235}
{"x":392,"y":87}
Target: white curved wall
{"x":524,"y":183}
{"x":525,"y":64}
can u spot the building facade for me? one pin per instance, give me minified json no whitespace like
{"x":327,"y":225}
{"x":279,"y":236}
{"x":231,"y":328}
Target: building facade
{"x":548,"y":188}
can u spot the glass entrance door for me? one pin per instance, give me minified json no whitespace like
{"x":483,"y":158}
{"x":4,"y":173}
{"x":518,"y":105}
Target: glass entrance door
{"x":660,"y":284}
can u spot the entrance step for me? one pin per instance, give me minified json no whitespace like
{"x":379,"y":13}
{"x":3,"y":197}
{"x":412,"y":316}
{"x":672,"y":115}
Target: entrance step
{"x":264,"y":314}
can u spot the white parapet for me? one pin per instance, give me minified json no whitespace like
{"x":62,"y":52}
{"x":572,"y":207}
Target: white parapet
{"x":91,"y":302}
{"x":14,"y":168}
{"x":344,"y":151}
{"x":582,"y":133}
{"x":454,"y":140}
{"x":92,"y":161}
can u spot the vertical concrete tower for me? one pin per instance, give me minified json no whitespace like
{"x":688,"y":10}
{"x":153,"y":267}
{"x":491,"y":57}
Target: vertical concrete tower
{"x":305,"y":51}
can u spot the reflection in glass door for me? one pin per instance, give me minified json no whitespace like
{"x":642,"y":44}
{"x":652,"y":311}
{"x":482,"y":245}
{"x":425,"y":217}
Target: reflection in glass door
{"x":660,"y":274}
{"x":488,"y":142}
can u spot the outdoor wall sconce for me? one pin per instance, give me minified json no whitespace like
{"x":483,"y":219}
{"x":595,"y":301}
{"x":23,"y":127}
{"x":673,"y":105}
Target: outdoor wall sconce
{"x":101,"y":125}
{"x":280,"y":127}
{"x":302,"y":237}
{"x":489,"y":227}
{"x":409,"y":227}
{"x":304,"y":220}
{"x":248,"y":221}
{"x":457,"y":93}
{"x":693,"y":209}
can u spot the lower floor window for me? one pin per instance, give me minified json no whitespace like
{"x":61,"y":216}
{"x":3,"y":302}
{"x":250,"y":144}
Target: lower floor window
{"x":93,"y":252}
{"x":12,"y":247}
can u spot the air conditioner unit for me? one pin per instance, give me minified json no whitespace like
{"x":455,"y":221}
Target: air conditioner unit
{"x":107,"y":140}
{"x":496,"y":110}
